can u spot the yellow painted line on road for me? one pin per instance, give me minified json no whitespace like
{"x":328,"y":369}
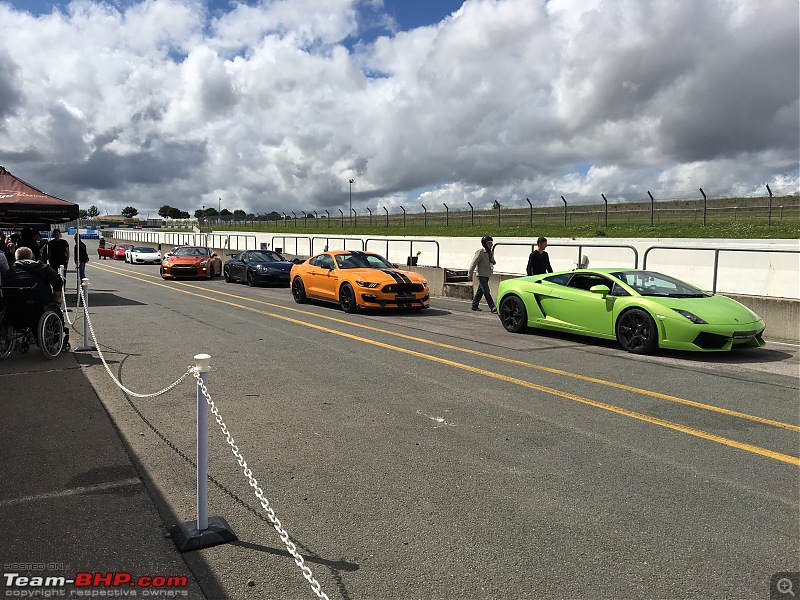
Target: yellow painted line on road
{"x":793,"y":460}
{"x":613,"y":384}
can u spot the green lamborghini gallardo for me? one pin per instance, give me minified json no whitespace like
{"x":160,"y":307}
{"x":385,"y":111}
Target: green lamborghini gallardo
{"x":642,"y":310}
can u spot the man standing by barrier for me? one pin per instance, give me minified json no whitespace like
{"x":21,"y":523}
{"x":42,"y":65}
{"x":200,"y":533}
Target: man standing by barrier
{"x":81,"y":256}
{"x":58,"y":251}
{"x":483,"y":262}
{"x":539,"y":261}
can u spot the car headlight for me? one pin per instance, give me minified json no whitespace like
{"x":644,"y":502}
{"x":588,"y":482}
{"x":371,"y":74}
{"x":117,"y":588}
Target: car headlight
{"x":755,"y":315}
{"x":691,"y":316}
{"x":204,"y":261}
{"x":262,"y":267}
{"x":366,"y":284}
{"x":165,"y":262}
{"x":424,"y":283}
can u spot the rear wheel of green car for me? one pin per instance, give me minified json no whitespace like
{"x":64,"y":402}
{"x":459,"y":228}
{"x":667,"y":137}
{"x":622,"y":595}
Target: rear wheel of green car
{"x":513,"y":314}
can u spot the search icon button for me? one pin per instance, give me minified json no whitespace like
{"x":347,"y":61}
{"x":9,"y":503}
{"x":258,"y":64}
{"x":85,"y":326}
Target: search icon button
{"x":783,"y":585}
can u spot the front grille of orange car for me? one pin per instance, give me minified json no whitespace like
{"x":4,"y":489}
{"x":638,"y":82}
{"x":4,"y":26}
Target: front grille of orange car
{"x":187,"y":270}
{"x":402,"y":288}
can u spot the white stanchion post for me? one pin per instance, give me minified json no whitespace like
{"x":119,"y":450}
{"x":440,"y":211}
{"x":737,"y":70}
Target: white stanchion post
{"x":86,"y":345}
{"x":205,"y":531}
{"x":202,"y":362}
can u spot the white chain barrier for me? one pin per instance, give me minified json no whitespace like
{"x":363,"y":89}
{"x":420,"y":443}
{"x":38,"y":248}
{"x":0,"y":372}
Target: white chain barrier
{"x":108,"y":369}
{"x":61,"y":273}
{"x":259,"y":493}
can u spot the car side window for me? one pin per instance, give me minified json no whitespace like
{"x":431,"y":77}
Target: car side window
{"x":562,"y":279}
{"x":244,"y":257}
{"x":583,"y":281}
{"x":323,"y":261}
{"x":618,"y":290}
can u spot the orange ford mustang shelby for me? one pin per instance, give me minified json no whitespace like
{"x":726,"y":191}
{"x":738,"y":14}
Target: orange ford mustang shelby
{"x":356,"y":279}
{"x":191,"y":261}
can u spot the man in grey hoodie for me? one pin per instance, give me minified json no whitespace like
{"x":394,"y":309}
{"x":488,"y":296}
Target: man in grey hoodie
{"x":483,"y":262}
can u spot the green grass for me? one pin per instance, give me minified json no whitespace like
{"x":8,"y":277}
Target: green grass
{"x":734,"y":218}
{"x":742,"y":229}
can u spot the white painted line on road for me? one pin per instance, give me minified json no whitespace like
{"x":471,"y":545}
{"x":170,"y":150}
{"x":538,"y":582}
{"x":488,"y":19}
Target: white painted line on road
{"x":85,"y":489}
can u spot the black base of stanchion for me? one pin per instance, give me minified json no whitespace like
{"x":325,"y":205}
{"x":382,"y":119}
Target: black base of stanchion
{"x":187,"y":537}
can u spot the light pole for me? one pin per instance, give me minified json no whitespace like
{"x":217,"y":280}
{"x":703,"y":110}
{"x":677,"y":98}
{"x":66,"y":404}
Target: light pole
{"x":352,"y":181}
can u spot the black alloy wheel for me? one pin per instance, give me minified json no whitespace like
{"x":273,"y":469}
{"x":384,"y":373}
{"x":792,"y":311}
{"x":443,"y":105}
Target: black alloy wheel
{"x":347,"y":298}
{"x":299,"y":291}
{"x":226,"y":272}
{"x":513,"y":314}
{"x":251,"y":278}
{"x":636,"y":332}
{"x":8,"y":338}
{"x":50,"y":334}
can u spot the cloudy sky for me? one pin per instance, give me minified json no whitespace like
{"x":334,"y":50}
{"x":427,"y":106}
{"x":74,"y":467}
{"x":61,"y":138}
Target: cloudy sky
{"x":277,"y":104}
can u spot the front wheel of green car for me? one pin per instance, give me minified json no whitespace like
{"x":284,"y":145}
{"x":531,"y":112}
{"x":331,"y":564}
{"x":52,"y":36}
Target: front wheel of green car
{"x":637,"y":332}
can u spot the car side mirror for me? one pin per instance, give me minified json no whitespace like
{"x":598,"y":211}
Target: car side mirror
{"x":234,"y":256}
{"x":396,"y":265}
{"x":603,"y":290}
{"x":213,"y":254}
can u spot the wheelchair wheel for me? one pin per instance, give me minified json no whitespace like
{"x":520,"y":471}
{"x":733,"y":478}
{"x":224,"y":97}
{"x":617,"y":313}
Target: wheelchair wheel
{"x":50,"y":334}
{"x":8,"y":339}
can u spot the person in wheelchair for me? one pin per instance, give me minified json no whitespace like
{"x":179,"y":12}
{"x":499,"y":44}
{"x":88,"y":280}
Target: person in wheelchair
{"x":32,"y":307}
{"x":27,"y":272}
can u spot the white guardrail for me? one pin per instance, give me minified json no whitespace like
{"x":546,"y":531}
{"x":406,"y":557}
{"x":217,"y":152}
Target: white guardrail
{"x":771,"y":270}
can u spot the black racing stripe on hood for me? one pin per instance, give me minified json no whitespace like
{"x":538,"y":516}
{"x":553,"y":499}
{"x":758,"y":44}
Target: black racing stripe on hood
{"x":395,"y":275}
{"x":404,"y":276}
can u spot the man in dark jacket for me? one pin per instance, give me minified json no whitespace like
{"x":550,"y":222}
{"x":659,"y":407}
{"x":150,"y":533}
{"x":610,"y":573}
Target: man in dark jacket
{"x":539,"y":261}
{"x":58,"y":251}
{"x":27,"y":272}
{"x":27,"y":238}
{"x":81,"y":256}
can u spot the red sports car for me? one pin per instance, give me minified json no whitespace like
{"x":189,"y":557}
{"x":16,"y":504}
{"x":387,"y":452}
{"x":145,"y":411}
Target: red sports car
{"x":115,"y":251}
{"x":191,"y":261}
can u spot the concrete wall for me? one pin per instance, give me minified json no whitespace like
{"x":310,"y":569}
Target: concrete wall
{"x":761,"y":271}
{"x":782,"y":315}
{"x":765,"y":281}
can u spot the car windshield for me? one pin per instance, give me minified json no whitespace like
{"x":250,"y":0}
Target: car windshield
{"x":266,"y":256}
{"x":649,"y":283}
{"x":190,"y":252}
{"x":362,"y":260}
{"x":142,"y":249}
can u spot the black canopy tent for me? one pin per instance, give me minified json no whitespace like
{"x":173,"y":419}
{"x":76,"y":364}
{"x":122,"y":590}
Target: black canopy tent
{"x":21,"y":204}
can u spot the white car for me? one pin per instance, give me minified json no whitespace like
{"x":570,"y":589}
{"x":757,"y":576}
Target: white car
{"x":142,"y":255}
